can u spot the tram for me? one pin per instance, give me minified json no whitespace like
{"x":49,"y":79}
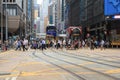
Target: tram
{"x":51,"y":32}
{"x":74,"y":32}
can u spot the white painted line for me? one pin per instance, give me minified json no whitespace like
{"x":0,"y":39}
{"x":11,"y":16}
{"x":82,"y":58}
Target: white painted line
{"x":14,"y":78}
{"x":7,"y":78}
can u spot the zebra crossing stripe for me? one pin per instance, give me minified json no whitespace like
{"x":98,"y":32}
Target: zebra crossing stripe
{"x":7,"y":79}
{"x":13,"y":78}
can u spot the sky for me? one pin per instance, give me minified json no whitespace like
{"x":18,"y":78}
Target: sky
{"x":39,"y":1}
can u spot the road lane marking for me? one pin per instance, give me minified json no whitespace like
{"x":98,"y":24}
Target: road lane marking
{"x":114,"y":71}
{"x":14,"y":78}
{"x":2,"y":61}
{"x":7,"y":79}
{"x":30,"y":63}
{"x":23,"y":74}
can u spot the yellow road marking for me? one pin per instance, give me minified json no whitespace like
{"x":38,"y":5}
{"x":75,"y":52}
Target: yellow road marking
{"x":34,"y":63}
{"x":51,"y":73}
{"x":30,"y":63}
{"x":114,"y":71}
{"x":48,"y":71}
{"x":2,"y":61}
{"x":24,"y":74}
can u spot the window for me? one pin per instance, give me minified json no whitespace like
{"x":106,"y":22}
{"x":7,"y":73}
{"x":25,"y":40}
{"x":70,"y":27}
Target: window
{"x":3,"y":0}
{"x":12,"y":12}
{"x":10,"y":0}
{"x":14,"y":0}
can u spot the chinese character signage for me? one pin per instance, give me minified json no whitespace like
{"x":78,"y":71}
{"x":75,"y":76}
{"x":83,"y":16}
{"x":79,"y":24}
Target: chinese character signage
{"x":112,"y":7}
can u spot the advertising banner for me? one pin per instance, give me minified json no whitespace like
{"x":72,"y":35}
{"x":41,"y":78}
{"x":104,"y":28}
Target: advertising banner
{"x":111,"y":7}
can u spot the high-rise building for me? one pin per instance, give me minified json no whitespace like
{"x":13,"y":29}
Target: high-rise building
{"x":32,"y":30}
{"x":15,"y":16}
{"x":95,"y":22}
{"x":74,"y":12}
{"x":90,"y":14}
{"x":44,"y":15}
{"x":29,"y":16}
{"x":36,"y":11}
{"x":37,"y":19}
{"x":60,"y":16}
{"x":19,"y":18}
{"x":51,"y":12}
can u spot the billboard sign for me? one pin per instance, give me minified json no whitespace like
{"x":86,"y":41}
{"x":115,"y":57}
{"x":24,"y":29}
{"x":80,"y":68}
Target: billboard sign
{"x":111,"y":7}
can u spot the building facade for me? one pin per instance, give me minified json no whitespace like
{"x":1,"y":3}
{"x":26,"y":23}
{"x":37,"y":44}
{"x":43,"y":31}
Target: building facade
{"x":44,"y":15}
{"x":51,"y":12}
{"x":14,"y":18}
{"x":17,"y":17}
{"x":30,"y":16}
{"x":95,"y":22}
{"x":2,"y":22}
{"x":73,"y":7}
{"x":60,"y":16}
{"x":90,"y":15}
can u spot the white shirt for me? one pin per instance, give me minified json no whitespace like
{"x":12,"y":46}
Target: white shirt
{"x":43,"y":41}
{"x":25,"y":42}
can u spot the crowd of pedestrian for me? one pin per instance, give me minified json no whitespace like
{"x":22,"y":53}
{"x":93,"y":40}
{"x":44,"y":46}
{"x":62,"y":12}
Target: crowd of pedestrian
{"x":43,"y":44}
{"x":21,"y":43}
{"x":5,"y":45}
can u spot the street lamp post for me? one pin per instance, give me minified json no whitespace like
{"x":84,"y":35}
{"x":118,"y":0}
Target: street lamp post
{"x":6,"y":21}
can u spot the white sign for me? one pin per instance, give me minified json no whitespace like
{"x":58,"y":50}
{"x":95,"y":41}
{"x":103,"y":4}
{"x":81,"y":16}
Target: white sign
{"x":40,"y":35}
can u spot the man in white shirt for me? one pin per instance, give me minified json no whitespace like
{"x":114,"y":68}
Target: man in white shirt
{"x":43,"y":44}
{"x":25,"y":44}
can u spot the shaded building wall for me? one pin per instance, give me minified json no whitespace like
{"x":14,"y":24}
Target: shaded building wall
{"x":74,"y":13}
{"x":90,"y":14}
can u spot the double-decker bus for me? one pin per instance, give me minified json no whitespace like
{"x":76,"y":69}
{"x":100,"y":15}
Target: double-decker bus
{"x":51,"y":31}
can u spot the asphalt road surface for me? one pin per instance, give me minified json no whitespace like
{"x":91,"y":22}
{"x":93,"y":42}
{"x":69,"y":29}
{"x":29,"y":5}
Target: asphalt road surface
{"x":61,"y":64}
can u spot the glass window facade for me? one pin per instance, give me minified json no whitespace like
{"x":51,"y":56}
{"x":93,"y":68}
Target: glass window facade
{"x":9,"y":0}
{"x":12,"y":12}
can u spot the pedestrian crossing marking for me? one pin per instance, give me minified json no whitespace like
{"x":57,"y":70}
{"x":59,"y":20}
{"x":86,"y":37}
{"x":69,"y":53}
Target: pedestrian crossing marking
{"x":12,"y":78}
{"x":7,"y":79}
